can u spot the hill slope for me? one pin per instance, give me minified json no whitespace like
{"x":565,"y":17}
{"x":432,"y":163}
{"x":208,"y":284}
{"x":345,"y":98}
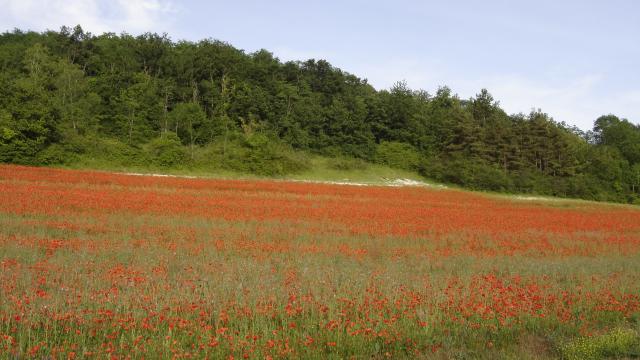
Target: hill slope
{"x":72,"y":98}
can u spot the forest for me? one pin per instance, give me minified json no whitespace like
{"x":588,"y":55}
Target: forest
{"x":122,"y":100}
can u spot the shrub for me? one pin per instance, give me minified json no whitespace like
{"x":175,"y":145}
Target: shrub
{"x":255,"y":154}
{"x":54,"y":154}
{"x":273,"y":160}
{"x":473,"y":174}
{"x":114,"y":153}
{"x":166,"y":151}
{"x":397,"y":155}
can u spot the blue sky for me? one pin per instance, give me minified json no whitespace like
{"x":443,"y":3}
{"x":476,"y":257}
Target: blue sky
{"x":575,"y":60}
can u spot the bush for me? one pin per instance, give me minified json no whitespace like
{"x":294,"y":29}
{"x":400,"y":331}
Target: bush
{"x":531,"y":181}
{"x":22,"y":140}
{"x":472,"y":174}
{"x":166,"y":151}
{"x":53,"y":155}
{"x":398,"y":155}
{"x":114,"y":153}
{"x":489,"y":177}
{"x":256,"y":141}
{"x":272,"y":160}
{"x":255,"y":154}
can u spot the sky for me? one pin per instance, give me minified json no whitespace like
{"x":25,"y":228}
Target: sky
{"x":575,"y":60}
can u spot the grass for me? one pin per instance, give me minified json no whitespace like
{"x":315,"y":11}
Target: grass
{"x":320,"y":169}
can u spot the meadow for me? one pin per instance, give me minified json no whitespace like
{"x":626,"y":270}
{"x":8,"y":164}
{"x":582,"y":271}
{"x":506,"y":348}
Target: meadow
{"x":102,"y":265}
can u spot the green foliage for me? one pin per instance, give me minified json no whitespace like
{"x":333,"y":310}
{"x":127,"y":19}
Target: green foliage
{"x":473,"y":174}
{"x":615,"y":344}
{"x":264,"y":157}
{"x":21,"y":140}
{"x":257,"y":142}
{"x":621,"y":134}
{"x":240,"y":155}
{"x":54,"y":154}
{"x":398,"y":155}
{"x":188,"y":120}
{"x":112,"y":151}
{"x":166,"y":150}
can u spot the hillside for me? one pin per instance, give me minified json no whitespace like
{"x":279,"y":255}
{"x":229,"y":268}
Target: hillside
{"x":71,"y":98}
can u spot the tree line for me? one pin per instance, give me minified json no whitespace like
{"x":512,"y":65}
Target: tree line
{"x":147,"y":100}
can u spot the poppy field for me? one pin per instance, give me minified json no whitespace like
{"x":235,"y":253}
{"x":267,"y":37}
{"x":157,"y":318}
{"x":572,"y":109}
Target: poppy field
{"x":102,"y":265}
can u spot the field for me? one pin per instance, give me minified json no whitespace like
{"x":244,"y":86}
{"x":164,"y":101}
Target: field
{"x":103,"y":265}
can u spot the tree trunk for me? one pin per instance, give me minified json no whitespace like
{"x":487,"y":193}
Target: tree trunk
{"x":133,"y":114}
{"x":166,"y":110}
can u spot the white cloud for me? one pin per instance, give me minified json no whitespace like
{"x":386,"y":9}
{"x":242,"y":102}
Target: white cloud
{"x":97,"y":16}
